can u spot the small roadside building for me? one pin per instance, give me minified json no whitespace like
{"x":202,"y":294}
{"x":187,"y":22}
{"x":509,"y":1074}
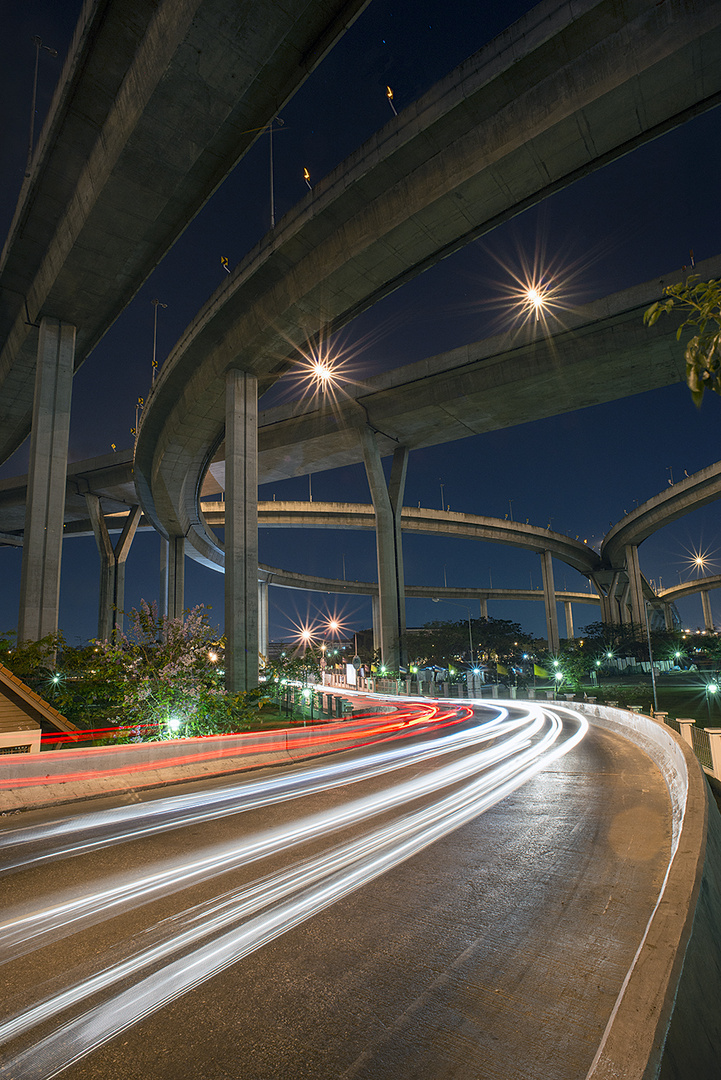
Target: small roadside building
{"x":24,"y":715}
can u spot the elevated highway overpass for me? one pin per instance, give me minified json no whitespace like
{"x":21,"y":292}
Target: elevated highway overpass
{"x":498,"y":134}
{"x":560,"y":93}
{"x":156,"y":104}
{"x":140,"y":133}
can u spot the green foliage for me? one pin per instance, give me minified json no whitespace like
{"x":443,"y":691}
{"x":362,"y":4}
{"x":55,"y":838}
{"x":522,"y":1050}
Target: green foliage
{"x":700,"y":303}
{"x":162,"y":679}
{"x":447,"y":643}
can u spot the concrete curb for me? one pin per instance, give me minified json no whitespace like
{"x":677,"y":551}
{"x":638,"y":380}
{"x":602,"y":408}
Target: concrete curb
{"x":664,"y":1022}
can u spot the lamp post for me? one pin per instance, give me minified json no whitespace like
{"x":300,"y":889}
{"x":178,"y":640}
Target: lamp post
{"x":650,"y":656}
{"x":156,"y":304}
{"x":37,"y":42}
{"x":711,"y":691}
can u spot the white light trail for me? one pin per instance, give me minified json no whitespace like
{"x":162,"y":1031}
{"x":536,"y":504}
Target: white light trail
{"x":147,"y":819}
{"x":22,"y":933}
{"x":281,"y":902}
{"x":211,"y":936}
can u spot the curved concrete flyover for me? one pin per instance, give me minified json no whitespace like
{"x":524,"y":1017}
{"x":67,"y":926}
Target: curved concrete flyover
{"x":564,"y":90}
{"x":156,"y":104}
{"x":689,"y":588}
{"x":619,"y":550}
{"x":318,"y":515}
{"x":681,"y":498}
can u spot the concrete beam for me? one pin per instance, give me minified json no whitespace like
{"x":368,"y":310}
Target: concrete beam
{"x":139,"y":135}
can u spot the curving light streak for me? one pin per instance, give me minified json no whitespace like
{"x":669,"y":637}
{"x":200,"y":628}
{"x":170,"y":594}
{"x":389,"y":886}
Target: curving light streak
{"x":22,"y":933}
{"x":364,"y":730}
{"x":224,"y":930}
{"x":126,"y":823}
{"x":277,"y":903}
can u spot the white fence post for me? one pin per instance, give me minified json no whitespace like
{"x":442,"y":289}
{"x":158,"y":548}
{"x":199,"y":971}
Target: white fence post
{"x":714,"y":738}
{"x":686,"y":725}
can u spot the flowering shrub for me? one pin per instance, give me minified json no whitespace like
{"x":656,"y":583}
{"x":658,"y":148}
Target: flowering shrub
{"x":163,"y":678}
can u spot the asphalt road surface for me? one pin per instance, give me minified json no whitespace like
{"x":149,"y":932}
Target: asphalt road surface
{"x":206,"y":940}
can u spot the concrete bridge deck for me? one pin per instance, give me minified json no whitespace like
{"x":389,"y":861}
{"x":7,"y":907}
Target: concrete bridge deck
{"x":561,"y":92}
{"x":156,"y":104}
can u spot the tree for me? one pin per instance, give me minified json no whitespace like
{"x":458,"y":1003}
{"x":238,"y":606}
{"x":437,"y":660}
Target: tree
{"x":447,"y":643}
{"x":700,"y":302}
{"x":161,"y":679}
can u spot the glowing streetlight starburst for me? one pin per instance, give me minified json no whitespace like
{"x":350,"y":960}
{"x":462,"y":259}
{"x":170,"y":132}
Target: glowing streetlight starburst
{"x":304,"y":635}
{"x":700,"y":560}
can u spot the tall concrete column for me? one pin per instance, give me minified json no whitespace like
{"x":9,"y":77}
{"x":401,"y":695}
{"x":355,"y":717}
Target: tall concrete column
{"x":706,"y":606}
{"x":549,"y":599}
{"x":569,"y":619}
{"x":376,"y":617}
{"x":263,"y":618}
{"x":176,"y":577}
{"x":667,"y":617}
{"x":387,"y":504}
{"x":47,"y":474}
{"x":163,"y":588}
{"x":112,"y":566}
{"x":635,"y":583}
{"x":484,"y":607}
{"x":241,"y":530}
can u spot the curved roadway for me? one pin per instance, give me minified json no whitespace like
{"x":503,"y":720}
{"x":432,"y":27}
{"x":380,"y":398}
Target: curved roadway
{"x":560,"y":93}
{"x":247,"y":933}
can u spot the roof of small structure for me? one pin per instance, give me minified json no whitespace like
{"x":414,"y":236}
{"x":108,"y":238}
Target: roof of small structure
{"x":32,"y":704}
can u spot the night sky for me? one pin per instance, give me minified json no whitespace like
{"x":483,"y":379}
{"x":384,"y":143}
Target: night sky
{"x":634,"y":220}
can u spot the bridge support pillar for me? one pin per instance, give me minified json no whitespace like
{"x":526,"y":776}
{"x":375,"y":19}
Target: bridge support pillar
{"x":112,"y":567}
{"x":549,"y":597}
{"x":635,"y":581}
{"x":263,"y":618}
{"x":176,"y":577}
{"x":706,"y":606}
{"x":569,"y":619}
{"x":387,"y":504}
{"x":47,"y":477}
{"x":163,"y":589}
{"x":376,"y":618}
{"x":484,"y":607}
{"x":241,"y":530}
{"x":668,"y":616}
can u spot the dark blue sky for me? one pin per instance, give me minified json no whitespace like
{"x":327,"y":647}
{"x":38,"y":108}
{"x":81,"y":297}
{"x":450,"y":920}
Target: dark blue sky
{"x":634,"y":220}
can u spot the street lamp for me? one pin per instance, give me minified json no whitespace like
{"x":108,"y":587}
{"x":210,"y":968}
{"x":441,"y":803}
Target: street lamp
{"x":650,"y":656}
{"x":711,"y":691}
{"x":37,"y":42}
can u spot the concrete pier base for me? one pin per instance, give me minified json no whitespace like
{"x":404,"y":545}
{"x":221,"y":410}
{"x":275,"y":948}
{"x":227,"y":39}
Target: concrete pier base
{"x":112,"y":566}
